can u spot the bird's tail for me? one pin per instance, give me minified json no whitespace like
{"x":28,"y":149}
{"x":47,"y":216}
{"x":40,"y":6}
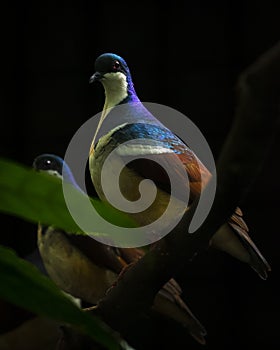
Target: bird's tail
{"x":168,"y":302}
{"x":257,"y":260}
{"x":234,"y":239}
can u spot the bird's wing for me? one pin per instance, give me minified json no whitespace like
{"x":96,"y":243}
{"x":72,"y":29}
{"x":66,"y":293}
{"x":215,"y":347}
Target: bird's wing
{"x":165,"y":147}
{"x":100,"y":254}
{"x":156,"y":150}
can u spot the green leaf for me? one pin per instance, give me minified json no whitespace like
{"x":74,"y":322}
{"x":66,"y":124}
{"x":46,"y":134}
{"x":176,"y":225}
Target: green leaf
{"x":22,"y":284}
{"x":38,"y":197}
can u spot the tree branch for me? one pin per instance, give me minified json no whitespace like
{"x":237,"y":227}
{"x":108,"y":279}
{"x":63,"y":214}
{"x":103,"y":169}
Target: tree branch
{"x":242,"y":156}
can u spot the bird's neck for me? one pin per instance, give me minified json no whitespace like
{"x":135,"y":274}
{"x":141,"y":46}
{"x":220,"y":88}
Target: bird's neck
{"x":118,"y":90}
{"x":66,"y":176}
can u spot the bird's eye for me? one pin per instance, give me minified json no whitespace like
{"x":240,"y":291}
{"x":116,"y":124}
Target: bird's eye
{"x":116,"y":65}
{"x":48,"y":162}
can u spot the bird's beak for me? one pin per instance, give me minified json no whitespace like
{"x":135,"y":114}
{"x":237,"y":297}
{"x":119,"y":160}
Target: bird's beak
{"x":97,"y":76}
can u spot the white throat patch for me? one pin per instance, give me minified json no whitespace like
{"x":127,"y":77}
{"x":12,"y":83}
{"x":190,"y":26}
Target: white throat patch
{"x":54,"y":173}
{"x":115,"y":86}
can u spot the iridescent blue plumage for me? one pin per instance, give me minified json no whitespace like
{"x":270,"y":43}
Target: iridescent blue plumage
{"x":150,"y":132}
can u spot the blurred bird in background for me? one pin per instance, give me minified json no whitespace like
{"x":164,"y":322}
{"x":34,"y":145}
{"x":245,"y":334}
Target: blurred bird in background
{"x":86,"y":268}
{"x":136,"y":122}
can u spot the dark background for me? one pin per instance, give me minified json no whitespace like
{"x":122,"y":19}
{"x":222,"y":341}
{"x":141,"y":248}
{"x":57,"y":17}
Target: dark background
{"x":184,"y":56}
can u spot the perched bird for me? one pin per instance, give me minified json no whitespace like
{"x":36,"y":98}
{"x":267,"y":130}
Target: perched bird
{"x":86,"y":268}
{"x":136,"y":122}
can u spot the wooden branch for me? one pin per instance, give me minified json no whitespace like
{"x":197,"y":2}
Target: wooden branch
{"x":242,"y":156}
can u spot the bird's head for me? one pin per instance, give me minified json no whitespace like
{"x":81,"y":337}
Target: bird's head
{"x":49,"y":163}
{"x":112,"y":71}
{"x":110,"y":66}
{"x":53,"y":165}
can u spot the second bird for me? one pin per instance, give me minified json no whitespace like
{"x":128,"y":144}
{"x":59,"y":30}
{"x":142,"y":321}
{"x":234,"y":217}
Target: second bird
{"x":86,"y":269}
